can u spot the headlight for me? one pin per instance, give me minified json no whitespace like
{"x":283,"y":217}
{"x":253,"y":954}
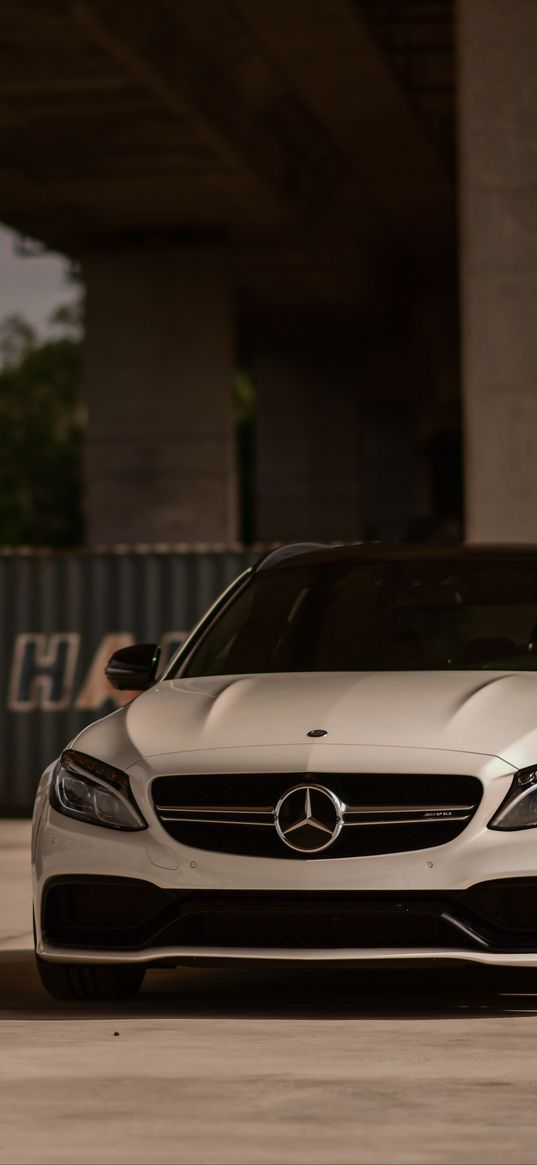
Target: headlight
{"x":519,"y":809}
{"x":96,"y":792}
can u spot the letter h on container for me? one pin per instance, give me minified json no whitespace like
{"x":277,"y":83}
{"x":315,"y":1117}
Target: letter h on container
{"x":43,"y":671}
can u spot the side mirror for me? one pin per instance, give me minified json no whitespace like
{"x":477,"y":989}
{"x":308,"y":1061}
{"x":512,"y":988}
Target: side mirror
{"x":133,"y":668}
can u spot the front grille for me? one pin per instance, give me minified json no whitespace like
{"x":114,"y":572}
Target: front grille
{"x":382,"y":812}
{"x":103,"y":913}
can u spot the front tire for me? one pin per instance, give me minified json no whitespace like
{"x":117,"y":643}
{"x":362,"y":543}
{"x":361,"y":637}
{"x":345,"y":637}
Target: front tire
{"x":85,"y":981}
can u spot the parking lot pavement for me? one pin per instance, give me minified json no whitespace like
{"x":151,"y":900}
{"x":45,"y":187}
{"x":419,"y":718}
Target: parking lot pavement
{"x":293,"y":1065}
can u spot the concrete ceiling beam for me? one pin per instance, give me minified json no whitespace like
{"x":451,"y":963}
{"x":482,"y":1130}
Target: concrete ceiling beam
{"x":340,"y":73}
{"x":198,"y":58}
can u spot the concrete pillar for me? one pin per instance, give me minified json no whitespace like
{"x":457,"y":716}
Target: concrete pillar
{"x":161,"y":463}
{"x":307,"y":437}
{"x":497,"y":46}
{"x":353,"y":431}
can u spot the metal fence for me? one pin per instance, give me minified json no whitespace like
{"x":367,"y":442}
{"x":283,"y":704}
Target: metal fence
{"x":62,"y":615}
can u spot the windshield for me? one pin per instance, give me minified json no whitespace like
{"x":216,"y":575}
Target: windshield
{"x":376,"y":617}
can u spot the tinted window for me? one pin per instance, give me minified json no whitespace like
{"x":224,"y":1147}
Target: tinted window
{"x":382,"y":616}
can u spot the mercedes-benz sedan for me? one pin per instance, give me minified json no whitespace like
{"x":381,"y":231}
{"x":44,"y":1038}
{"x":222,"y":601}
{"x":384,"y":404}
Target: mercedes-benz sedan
{"x":339,"y":764}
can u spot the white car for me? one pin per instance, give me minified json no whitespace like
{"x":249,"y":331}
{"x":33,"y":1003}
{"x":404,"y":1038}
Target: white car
{"x":339,"y":764}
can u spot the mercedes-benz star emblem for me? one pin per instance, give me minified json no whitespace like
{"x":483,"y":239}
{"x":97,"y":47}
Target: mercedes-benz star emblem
{"x":308,"y":818}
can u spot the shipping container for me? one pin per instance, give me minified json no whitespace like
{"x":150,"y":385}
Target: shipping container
{"x":63,"y":614}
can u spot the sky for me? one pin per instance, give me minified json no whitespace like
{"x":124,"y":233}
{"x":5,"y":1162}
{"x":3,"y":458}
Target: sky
{"x":31,"y":287}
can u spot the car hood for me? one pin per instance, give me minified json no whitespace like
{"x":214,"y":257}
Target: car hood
{"x":492,"y":713}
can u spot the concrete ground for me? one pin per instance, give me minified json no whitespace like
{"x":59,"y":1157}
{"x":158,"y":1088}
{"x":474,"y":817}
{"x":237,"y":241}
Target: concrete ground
{"x":288,"y":1066}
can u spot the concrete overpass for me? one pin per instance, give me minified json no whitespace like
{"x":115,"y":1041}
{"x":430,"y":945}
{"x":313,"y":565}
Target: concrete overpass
{"x":272,"y":183}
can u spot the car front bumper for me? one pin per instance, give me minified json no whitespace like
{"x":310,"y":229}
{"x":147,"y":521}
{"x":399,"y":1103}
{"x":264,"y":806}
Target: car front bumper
{"x":396,"y":906}
{"x":175,"y":957}
{"x":137,"y":920}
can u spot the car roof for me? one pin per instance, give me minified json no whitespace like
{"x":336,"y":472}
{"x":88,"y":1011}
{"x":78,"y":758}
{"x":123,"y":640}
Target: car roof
{"x":316,"y":554}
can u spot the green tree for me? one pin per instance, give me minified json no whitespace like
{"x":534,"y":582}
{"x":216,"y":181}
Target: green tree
{"x":41,"y":430}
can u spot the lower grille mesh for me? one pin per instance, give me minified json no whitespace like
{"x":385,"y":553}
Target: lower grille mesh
{"x":105,"y":913}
